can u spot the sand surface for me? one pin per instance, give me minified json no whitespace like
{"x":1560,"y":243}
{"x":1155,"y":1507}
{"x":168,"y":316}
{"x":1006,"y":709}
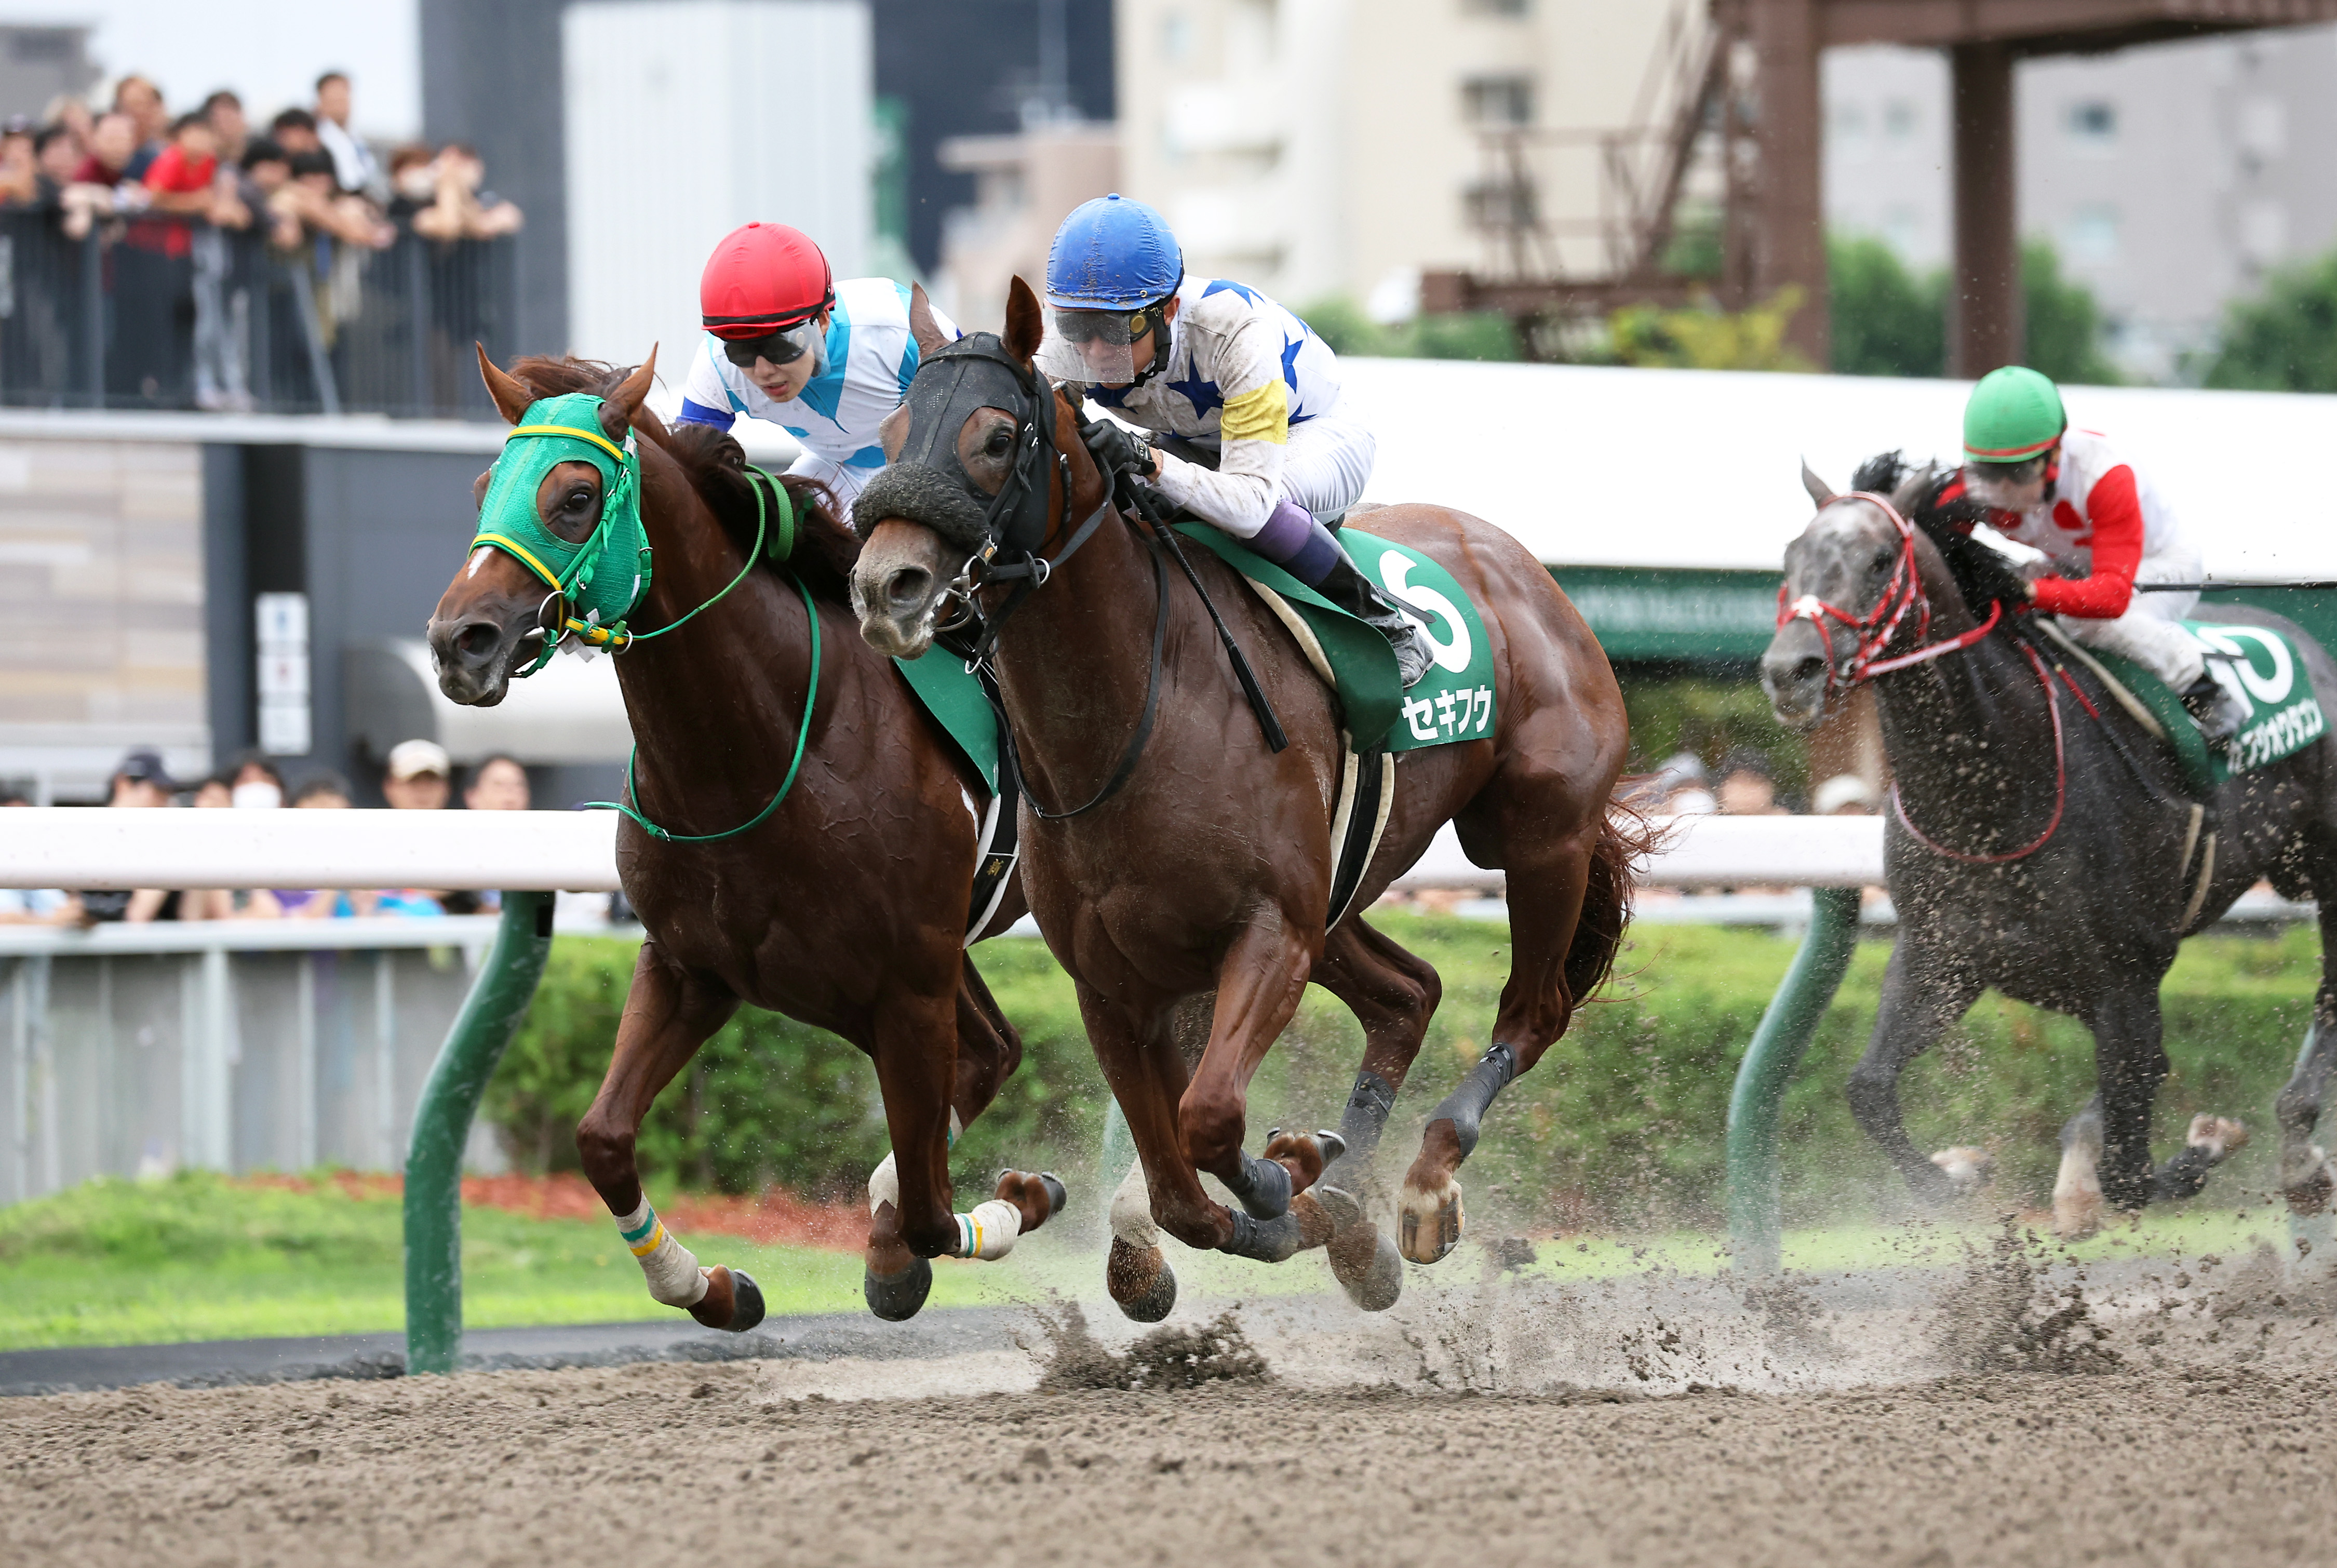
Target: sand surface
{"x":1993,"y":1413}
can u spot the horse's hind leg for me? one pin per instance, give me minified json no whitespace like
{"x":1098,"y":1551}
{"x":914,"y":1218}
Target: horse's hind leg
{"x":2307,"y":1174}
{"x":1392,"y":994}
{"x":669,"y":1014}
{"x":2129,"y":1064}
{"x":1922,"y":996}
{"x":1552,"y":841}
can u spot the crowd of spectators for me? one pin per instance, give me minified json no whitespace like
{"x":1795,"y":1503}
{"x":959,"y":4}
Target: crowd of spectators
{"x":417,"y":776}
{"x":164,"y":191}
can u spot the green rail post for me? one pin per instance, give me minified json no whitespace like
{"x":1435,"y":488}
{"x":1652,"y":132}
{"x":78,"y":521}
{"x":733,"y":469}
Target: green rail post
{"x":1754,"y":1218}
{"x":442,"y":1125}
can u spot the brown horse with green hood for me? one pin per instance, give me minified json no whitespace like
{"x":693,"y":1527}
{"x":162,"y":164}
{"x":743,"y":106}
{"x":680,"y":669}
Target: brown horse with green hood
{"x":845,"y":900}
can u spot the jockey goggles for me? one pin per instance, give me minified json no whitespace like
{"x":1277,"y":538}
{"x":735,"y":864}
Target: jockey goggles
{"x":783,"y":345}
{"x":2006,"y":487}
{"x":1098,"y":346}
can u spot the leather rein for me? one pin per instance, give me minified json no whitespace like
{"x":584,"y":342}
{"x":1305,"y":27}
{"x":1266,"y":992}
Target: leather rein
{"x":1871,"y":633}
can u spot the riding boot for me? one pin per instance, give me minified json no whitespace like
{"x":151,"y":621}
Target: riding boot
{"x":1346,"y":586}
{"x":2219,"y":713}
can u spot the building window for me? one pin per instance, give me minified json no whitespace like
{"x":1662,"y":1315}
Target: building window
{"x":2092,"y":234}
{"x":1176,"y":37}
{"x":2093,"y":123}
{"x":1501,"y":205}
{"x":1497,"y":102}
{"x":1848,"y":127}
{"x":1899,"y":120}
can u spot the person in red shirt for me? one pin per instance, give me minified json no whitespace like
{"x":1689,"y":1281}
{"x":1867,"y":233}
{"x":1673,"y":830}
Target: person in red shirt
{"x":180,"y":181}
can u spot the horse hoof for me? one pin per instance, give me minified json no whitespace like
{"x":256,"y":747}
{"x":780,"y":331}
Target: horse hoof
{"x":1967,"y":1168}
{"x":1140,"y":1281}
{"x":896,"y":1298}
{"x":1365,"y":1264}
{"x":1429,"y":1224}
{"x":1274,"y":1240}
{"x":2309,"y":1192}
{"x":2076,"y":1214}
{"x":2220,"y":1136}
{"x":733,"y":1302}
{"x":1315,"y":1226}
{"x":1057,"y":1194}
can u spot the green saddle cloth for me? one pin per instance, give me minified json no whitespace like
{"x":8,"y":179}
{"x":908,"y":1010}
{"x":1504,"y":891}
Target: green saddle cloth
{"x":2258,"y":665}
{"x":959,"y":706}
{"x":1453,"y":701}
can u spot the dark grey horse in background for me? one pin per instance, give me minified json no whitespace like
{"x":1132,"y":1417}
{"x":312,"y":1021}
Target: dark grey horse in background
{"x":2081,"y":915}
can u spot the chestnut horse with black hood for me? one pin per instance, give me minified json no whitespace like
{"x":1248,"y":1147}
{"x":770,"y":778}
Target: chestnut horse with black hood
{"x":1206,"y":862}
{"x":845,"y":906}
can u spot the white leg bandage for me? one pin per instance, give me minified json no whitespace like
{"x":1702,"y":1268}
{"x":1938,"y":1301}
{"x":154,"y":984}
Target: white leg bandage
{"x":988,"y":1232}
{"x":674,"y":1276}
{"x":884,"y":1186}
{"x":1131,"y":1210}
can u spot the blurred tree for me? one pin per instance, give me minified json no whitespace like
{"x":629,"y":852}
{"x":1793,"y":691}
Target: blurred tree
{"x":1482,"y":335}
{"x":1707,"y":338}
{"x":1890,"y":321}
{"x":2065,"y":323}
{"x":1886,"y":320}
{"x":2285,"y":338}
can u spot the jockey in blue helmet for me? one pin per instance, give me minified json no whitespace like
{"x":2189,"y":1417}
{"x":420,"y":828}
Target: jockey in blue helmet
{"x":1244,"y":394}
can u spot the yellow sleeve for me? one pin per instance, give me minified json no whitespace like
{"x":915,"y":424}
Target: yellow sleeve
{"x":1261,"y":414}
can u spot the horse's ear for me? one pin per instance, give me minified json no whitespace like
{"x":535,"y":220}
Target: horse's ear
{"x":922,"y":325}
{"x":1025,"y":323}
{"x":1820,"y":491}
{"x":511,"y":398}
{"x":618,"y":408}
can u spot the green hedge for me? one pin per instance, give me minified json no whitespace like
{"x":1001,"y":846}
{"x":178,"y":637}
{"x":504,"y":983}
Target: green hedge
{"x":1620,"y":1123}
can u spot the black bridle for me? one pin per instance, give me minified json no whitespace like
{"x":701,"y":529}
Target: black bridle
{"x":1017,"y":520}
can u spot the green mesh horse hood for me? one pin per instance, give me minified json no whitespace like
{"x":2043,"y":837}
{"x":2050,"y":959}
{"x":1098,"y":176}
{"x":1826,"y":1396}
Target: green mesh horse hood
{"x":603,"y":578}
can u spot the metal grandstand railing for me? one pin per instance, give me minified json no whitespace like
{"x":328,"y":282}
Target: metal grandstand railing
{"x":173,"y":313}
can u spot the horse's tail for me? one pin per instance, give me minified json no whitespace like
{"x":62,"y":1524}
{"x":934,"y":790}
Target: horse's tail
{"x":1624,"y":835}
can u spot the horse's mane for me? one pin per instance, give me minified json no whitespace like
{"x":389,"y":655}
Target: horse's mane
{"x":826,"y":550}
{"x":1982,"y":574}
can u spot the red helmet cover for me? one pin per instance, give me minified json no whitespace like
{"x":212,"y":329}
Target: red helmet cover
{"x":761,"y":278}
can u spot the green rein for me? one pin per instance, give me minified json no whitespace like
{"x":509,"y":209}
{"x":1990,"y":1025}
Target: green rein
{"x":577,"y":575}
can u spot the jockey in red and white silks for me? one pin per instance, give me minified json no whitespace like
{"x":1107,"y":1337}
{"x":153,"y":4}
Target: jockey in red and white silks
{"x":2102,"y":528}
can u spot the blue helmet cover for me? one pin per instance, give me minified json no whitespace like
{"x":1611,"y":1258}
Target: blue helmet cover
{"x":1113,"y":253}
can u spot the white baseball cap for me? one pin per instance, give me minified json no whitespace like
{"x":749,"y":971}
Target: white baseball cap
{"x":413,"y":758}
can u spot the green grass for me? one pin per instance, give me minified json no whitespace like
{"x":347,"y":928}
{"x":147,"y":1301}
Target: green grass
{"x":195,"y":1257}
{"x":114,"y":1262}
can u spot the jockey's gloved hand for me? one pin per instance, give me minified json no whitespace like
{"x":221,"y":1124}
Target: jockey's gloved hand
{"x":1119,"y":449}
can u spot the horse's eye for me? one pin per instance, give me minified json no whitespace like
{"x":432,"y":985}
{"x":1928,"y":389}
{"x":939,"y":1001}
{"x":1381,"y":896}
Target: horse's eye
{"x":999,"y":441}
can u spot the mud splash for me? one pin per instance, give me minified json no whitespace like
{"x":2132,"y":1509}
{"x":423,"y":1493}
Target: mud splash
{"x":1177,"y":1356}
{"x":1997,"y":1318}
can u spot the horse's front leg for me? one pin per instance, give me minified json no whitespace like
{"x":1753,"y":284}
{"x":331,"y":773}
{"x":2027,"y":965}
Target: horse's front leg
{"x":1922,"y":996}
{"x":669,"y":1014}
{"x":2130,"y":1065}
{"x":1259,"y":983}
{"x":912,"y":1218}
{"x":1147,"y":1073}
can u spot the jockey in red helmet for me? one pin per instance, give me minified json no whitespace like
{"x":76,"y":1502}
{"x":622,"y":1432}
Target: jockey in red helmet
{"x":786,"y":343}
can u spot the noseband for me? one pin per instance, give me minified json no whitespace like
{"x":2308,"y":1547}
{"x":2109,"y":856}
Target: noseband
{"x":1871,"y":633}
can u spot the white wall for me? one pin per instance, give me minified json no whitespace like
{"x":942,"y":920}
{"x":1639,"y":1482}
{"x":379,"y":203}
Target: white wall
{"x":675,"y":136}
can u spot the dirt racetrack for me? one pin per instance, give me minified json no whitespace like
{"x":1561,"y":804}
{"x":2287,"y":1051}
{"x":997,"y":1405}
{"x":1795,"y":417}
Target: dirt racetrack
{"x":2161,"y":1414}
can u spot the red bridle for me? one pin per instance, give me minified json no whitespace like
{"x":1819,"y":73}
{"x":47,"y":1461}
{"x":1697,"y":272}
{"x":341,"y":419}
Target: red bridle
{"x":1871,"y":633}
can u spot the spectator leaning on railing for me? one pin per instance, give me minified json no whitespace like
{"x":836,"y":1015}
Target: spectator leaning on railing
{"x":439,"y":196}
{"x":142,"y":101}
{"x":352,"y":162}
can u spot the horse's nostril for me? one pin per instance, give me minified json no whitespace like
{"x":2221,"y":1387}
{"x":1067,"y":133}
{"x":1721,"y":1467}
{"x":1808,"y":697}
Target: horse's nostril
{"x":907,"y":587}
{"x":1809,"y":668}
{"x":479,"y":638}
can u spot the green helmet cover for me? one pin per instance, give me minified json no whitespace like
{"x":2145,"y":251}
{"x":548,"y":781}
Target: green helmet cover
{"x":2013,"y":415}
{"x":602,"y":578}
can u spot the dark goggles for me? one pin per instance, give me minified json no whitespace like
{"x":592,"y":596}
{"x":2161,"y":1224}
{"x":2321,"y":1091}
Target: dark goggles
{"x":1118,"y":328}
{"x":784,"y":346}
